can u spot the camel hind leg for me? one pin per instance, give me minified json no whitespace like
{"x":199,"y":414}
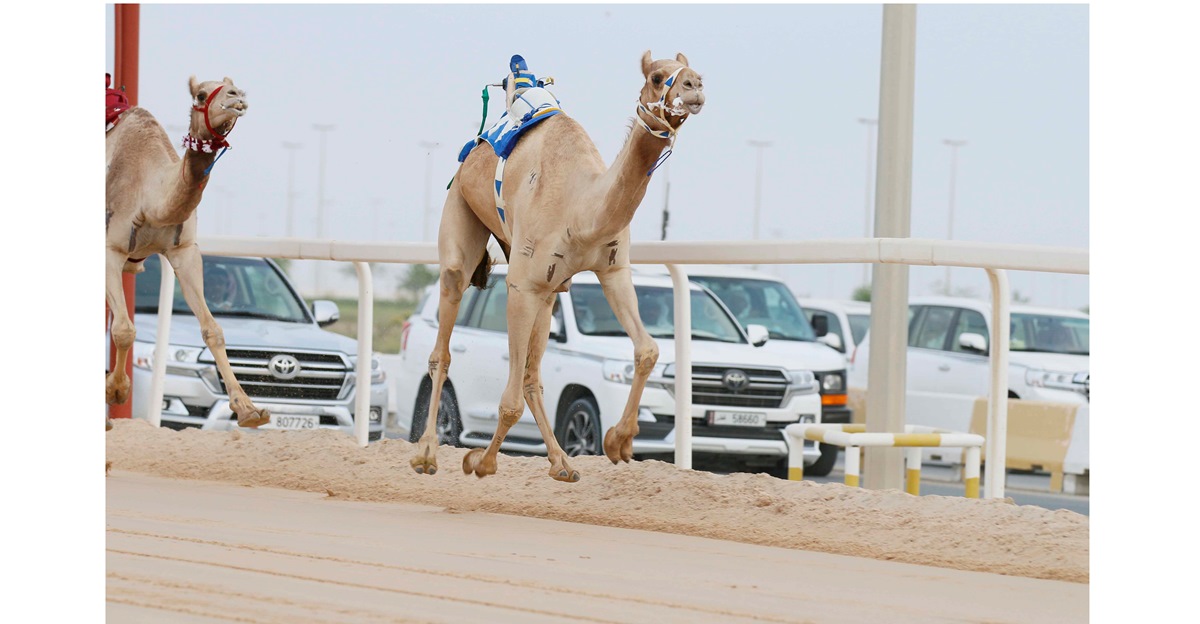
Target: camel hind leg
{"x":560,"y":470}
{"x":462,"y":245}
{"x":189,"y":268}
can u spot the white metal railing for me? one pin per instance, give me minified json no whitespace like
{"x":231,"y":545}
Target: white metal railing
{"x":995,"y":258}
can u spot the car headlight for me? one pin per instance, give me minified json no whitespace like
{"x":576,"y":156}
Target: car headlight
{"x":378,"y":375}
{"x":833,"y":383}
{"x":1053,"y":379}
{"x":143,"y":354}
{"x":622,"y":371}
{"x":802,"y":377}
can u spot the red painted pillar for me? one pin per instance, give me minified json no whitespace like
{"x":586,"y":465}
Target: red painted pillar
{"x":125,"y":76}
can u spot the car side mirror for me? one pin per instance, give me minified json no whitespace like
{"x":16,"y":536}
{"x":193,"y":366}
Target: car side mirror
{"x":325,"y":312}
{"x":758,"y":334}
{"x":820,"y":325}
{"x":833,"y":340}
{"x":973,"y":342}
{"x":556,"y":330}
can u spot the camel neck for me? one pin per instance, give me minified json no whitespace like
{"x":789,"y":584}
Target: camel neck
{"x":624,"y":184}
{"x":188,"y":188}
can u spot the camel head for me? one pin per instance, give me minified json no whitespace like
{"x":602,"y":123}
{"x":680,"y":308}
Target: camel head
{"x":216,"y":107}
{"x":672,"y":90}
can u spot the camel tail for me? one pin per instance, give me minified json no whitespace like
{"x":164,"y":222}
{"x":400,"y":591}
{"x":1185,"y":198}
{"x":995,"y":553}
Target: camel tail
{"x":479,"y":279}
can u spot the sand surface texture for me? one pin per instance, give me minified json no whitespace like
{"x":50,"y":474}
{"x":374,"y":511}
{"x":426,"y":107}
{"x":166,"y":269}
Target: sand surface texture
{"x":361,"y":538}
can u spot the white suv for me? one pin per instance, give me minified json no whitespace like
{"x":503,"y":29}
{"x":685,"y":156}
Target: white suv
{"x":742,"y":396}
{"x":847,"y":320}
{"x":948,"y":342}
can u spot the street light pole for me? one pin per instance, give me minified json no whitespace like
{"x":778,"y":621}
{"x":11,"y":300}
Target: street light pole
{"x":954,"y":145}
{"x":323,"y":129}
{"x":870,"y":124}
{"x":759,"y":145}
{"x":291,"y":192}
{"x":429,"y":146}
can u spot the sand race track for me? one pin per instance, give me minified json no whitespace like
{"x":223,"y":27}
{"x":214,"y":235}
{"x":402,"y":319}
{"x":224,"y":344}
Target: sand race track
{"x":275,"y":526}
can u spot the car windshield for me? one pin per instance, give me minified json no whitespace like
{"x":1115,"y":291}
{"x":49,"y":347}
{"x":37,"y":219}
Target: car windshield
{"x":1049,"y":334}
{"x":762,"y":302}
{"x":245,"y":287}
{"x":656,"y":306}
{"x":859,"y":324}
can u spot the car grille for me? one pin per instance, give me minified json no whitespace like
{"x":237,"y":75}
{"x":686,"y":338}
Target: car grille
{"x":322,"y":375}
{"x":766,"y":389}
{"x":666,"y":423}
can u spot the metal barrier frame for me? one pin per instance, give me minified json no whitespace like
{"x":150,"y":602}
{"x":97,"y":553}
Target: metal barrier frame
{"x":995,"y":258}
{"x":853,"y":437}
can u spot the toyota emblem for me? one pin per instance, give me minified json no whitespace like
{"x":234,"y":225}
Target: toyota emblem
{"x":735,"y":380}
{"x":284,"y":366}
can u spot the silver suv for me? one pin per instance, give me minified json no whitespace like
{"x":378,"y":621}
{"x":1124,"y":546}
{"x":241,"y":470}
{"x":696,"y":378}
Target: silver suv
{"x":303,"y":374}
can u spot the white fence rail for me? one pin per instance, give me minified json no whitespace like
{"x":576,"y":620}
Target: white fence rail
{"x":995,"y":258}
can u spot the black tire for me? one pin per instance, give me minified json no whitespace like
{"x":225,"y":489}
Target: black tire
{"x":823,"y":466}
{"x":578,"y":428}
{"x":449,"y":422}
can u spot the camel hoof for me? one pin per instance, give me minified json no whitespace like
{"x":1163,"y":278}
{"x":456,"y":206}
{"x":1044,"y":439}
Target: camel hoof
{"x":477,"y":462}
{"x":107,"y":424}
{"x":116,"y":395}
{"x":254,"y":419}
{"x":424,"y":464}
{"x":616,"y":448}
{"x":561,"y":471}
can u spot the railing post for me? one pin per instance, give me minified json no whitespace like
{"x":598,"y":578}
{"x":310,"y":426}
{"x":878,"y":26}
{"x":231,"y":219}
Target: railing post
{"x":166,"y":306}
{"x":912,"y":470}
{"x":997,"y":421}
{"x":853,"y":461}
{"x":362,"y":379}
{"x":971,"y":472}
{"x":683,"y":367}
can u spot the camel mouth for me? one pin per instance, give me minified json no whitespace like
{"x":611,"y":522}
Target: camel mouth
{"x":694,"y":108}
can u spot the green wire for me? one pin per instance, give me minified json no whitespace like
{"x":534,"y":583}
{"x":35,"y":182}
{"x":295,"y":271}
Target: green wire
{"x":481,"y":124}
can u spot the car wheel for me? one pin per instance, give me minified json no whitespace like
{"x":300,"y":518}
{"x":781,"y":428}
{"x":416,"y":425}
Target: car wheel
{"x":449,"y":424}
{"x":578,"y":428}
{"x":824,"y":465}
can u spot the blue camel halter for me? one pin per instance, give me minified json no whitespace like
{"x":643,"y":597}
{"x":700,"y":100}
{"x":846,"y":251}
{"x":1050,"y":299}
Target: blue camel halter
{"x":669,"y":133}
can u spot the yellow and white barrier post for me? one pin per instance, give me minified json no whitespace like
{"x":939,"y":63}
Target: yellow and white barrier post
{"x":853,"y":437}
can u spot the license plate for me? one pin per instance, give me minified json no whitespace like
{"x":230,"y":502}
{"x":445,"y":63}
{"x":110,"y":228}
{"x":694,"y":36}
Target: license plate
{"x":293,"y":421}
{"x":738,"y":419}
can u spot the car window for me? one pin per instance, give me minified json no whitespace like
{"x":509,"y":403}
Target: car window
{"x":969,"y":321}
{"x":1050,"y":334}
{"x":859,"y":324}
{"x":246,"y":287}
{"x":762,"y":302}
{"x":835,"y":326}
{"x":932,"y":327}
{"x":656,"y":307}
{"x":491,"y":312}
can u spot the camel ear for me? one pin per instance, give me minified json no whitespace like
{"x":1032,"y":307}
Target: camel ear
{"x":682,"y":59}
{"x":647,"y":61}
{"x":194,"y":85}
{"x":229,"y":81}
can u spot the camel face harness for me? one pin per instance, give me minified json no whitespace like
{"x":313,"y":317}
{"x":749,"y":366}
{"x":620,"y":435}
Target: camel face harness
{"x":669,"y":133}
{"x":210,"y":145}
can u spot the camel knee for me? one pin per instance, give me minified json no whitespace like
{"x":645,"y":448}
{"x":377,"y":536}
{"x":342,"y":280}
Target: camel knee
{"x":439,"y":360}
{"x":123,"y":335}
{"x":645,"y":358}
{"x":510,"y":415}
{"x":214,"y":337}
{"x":453,"y":282}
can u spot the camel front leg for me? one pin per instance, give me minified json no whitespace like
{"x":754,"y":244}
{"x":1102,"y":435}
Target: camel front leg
{"x":618,"y":289}
{"x":560,"y":470}
{"x":117,"y":384}
{"x":189,"y":268}
{"x":523,"y":309}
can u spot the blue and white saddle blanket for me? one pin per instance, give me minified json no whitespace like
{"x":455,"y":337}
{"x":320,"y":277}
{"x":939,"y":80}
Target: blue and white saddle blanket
{"x":531,"y":105}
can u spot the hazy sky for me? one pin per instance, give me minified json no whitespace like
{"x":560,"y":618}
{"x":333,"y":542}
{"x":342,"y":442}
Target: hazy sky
{"x":1012,"y":81}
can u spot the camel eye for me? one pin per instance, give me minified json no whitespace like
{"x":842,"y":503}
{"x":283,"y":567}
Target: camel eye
{"x":656,"y":79}
{"x":202,"y":97}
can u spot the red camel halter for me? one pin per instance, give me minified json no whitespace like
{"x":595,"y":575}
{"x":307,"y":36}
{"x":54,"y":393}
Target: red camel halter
{"x":218,"y":140}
